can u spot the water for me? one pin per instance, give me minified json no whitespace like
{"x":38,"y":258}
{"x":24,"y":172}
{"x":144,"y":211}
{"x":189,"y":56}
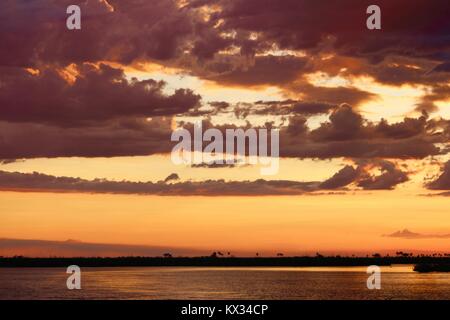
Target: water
{"x":397,"y":282}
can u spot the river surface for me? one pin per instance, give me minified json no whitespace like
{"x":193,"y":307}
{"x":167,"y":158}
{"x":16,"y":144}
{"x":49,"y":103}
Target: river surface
{"x":397,"y":282}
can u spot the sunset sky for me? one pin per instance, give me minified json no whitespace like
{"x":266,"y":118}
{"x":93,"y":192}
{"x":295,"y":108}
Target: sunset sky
{"x":86,"y":118}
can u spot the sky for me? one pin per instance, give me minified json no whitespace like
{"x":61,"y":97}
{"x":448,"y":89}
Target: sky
{"x":86,"y":118}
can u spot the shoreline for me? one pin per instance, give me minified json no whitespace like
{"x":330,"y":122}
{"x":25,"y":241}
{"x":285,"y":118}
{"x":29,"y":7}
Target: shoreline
{"x":26,"y":262}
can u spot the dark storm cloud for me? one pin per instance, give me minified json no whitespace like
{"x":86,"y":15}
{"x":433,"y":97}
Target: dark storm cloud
{"x":96,"y":94}
{"x":412,"y":47}
{"x":35,"y":31}
{"x":345,"y":134}
{"x":443,"y":67}
{"x":33,"y":34}
{"x":124,"y":137}
{"x":306,"y":24}
{"x":261,"y":70}
{"x":360,"y":148}
{"x":345,"y":124}
{"x":348,"y":134}
{"x":208,"y":44}
{"x":102,"y":114}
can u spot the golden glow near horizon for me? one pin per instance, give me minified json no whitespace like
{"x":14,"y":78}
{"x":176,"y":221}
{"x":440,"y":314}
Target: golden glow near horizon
{"x":327,"y":223}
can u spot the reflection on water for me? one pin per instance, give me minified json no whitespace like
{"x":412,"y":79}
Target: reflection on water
{"x":397,"y":282}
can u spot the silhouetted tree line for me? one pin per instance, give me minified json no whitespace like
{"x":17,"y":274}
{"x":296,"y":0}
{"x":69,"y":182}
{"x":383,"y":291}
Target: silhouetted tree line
{"x":220,"y":259}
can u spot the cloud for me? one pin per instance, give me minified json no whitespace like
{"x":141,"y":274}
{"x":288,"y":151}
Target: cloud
{"x":287,"y":72}
{"x":58,"y":99}
{"x":406,"y":234}
{"x":41,"y":182}
{"x":444,"y":194}
{"x":263,"y":70}
{"x":284,"y":107}
{"x":8,"y":161}
{"x":388,"y":179}
{"x":238,"y":42}
{"x":34,"y":32}
{"x":344,"y":177}
{"x":294,"y":24}
{"x":348,"y":134}
{"x":266,"y":39}
{"x":443,"y":67}
{"x":443,"y":181}
{"x":172,"y":177}
{"x":347,"y":124}
{"x":121,"y":137}
{"x":214,"y":165}
{"x":92,"y":94}
{"x":345,"y":134}
{"x":129,"y":30}
{"x":330,"y":95}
